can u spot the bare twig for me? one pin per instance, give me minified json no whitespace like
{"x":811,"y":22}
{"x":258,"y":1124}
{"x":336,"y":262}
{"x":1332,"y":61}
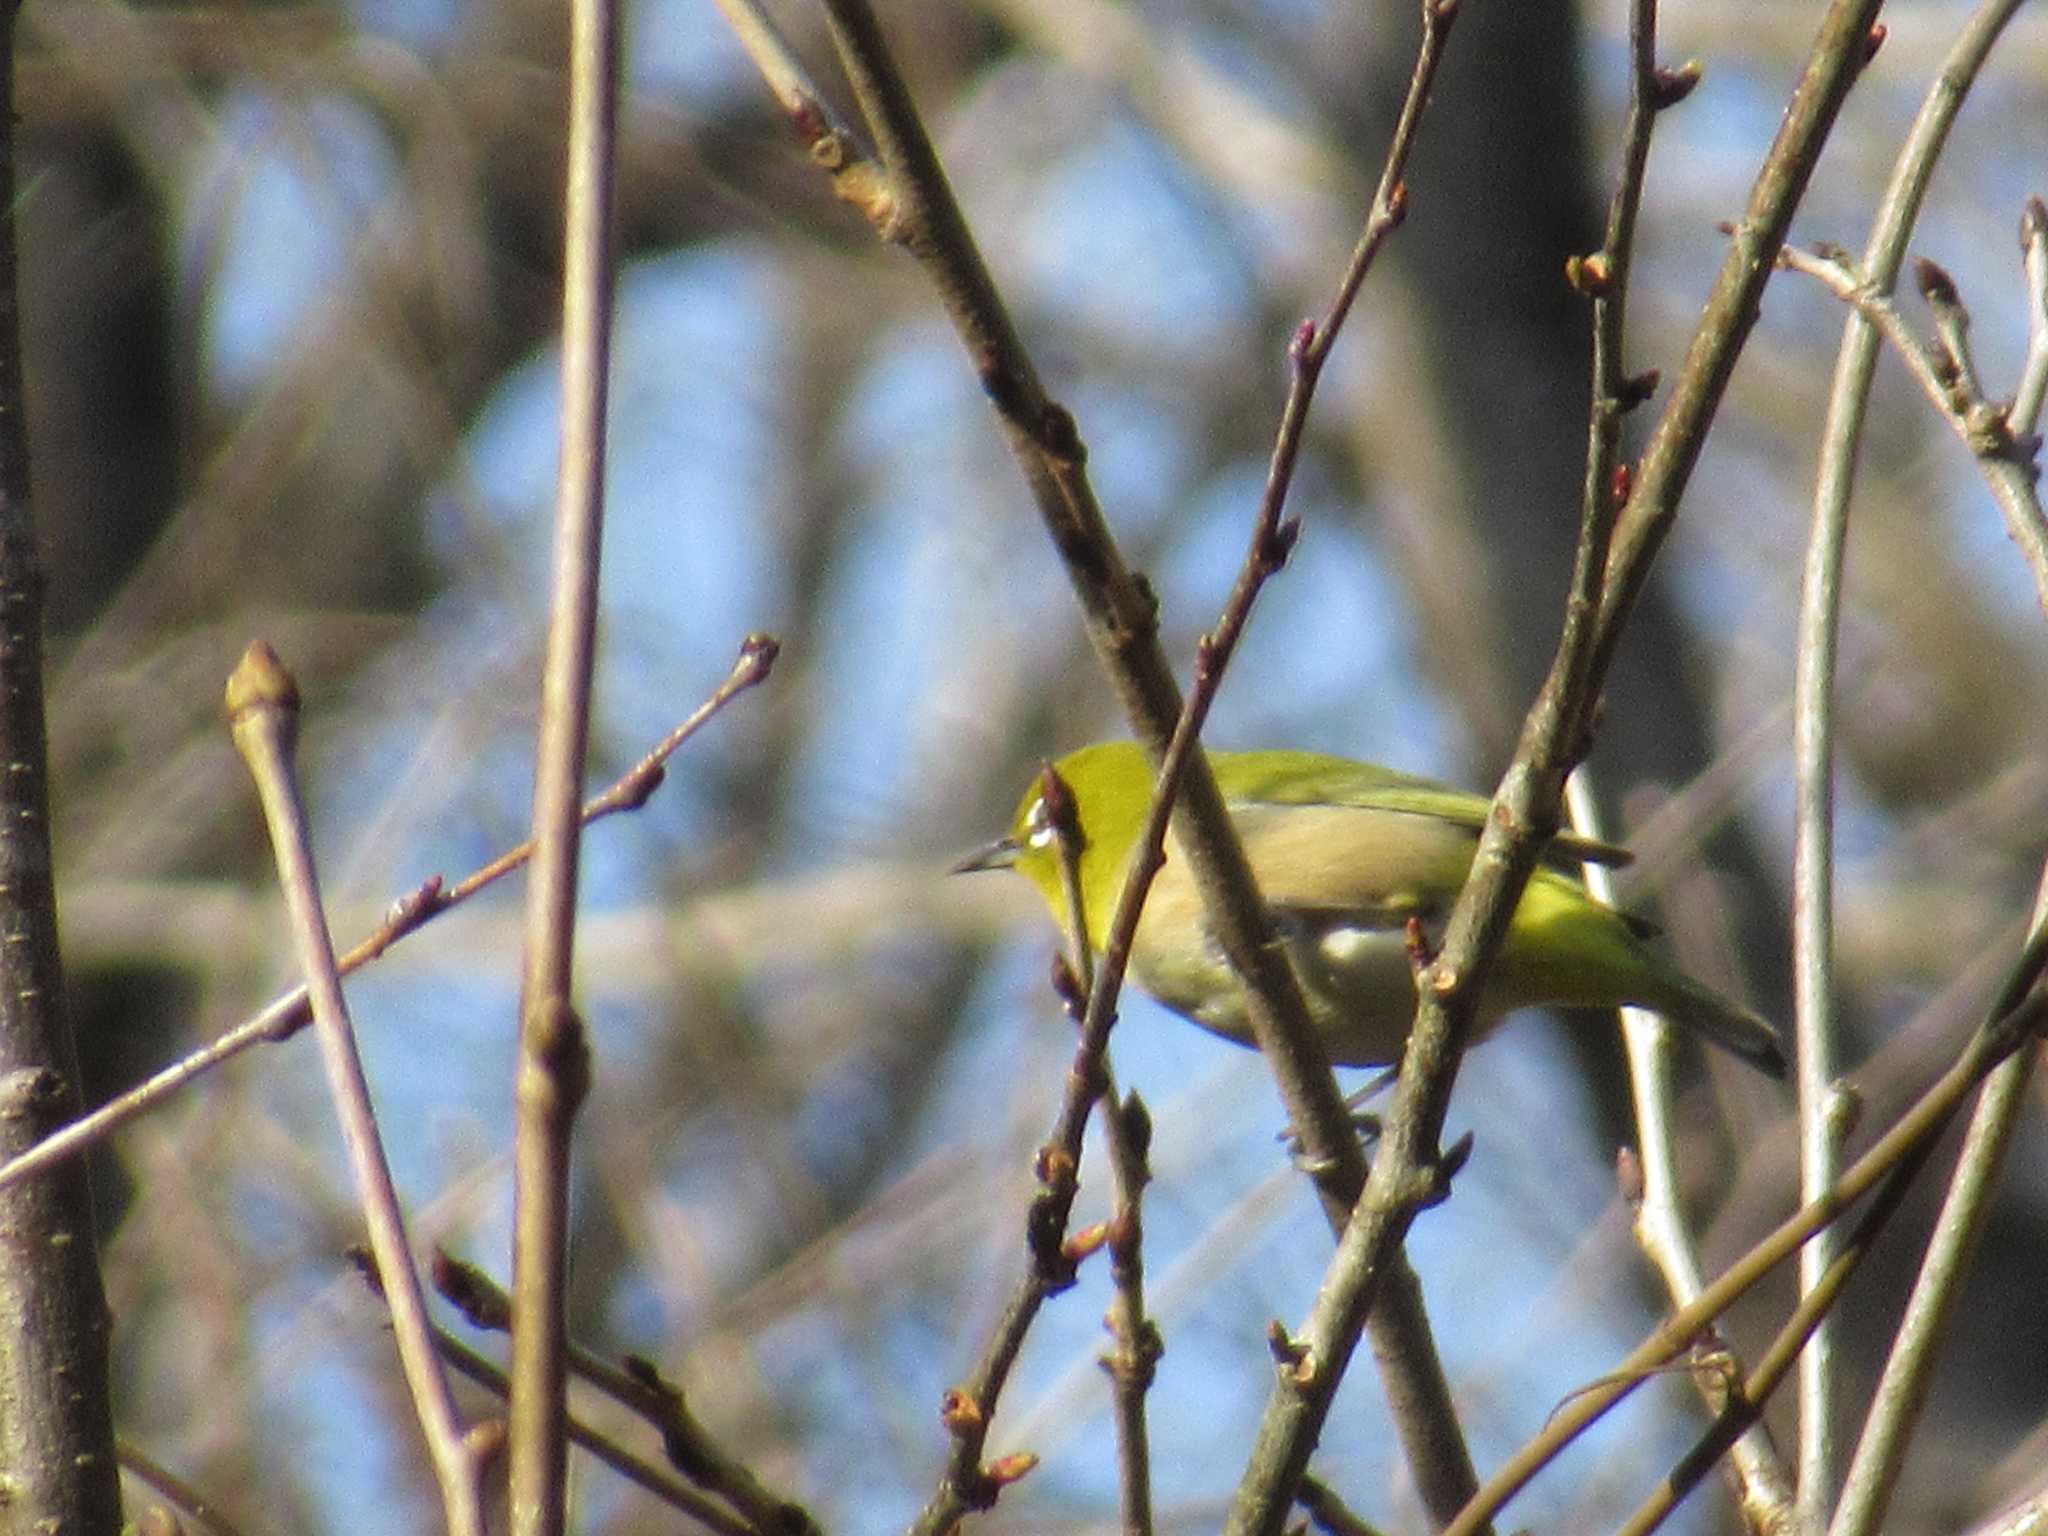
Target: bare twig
{"x":1653,"y":1190}
{"x":2016,"y":1020}
{"x":2029,"y":1517}
{"x":1745,"y":1406}
{"x":2005,"y":462}
{"x":1407,"y":1171}
{"x":1118,"y":609}
{"x":1902,"y":1389}
{"x":833,"y":142}
{"x":1659,"y":1222}
{"x":554,"y":1065}
{"x":263,"y":711}
{"x":2024,"y":419}
{"x":56,"y":1414}
{"x":969,"y":1409}
{"x":1134,"y":1353}
{"x":1815,"y":1023}
{"x":1127,"y":1126}
{"x":1332,"y":1516}
{"x":701,"y":1507}
{"x":287,"y":1015}
{"x":1840,"y":50}
{"x":139,"y":1464}
{"x":639,"y":1387}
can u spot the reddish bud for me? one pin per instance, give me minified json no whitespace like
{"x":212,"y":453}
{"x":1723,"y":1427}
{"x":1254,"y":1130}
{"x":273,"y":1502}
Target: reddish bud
{"x":1005,"y":1470}
{"x":1589,"y":274}
{"x":1621,"y":484}
{"x":1936,"y":286}
{"x":1668,"y":87}
{"x":1085,"y":1242}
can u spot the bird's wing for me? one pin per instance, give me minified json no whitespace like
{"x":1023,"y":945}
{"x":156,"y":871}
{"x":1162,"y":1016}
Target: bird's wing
{"x":1308,"y":778}
{"x":1313,"y":859}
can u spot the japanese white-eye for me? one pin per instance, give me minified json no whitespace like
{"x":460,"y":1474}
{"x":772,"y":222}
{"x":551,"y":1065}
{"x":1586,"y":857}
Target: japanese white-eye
{"x":1346,"y":854}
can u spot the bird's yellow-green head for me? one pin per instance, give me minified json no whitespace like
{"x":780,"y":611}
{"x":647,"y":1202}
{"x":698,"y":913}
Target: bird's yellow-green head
{"x":1355,"y":861}
{"x":1111,"y":786}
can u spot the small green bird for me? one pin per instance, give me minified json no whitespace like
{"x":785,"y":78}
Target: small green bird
{"x":1346,"y":854}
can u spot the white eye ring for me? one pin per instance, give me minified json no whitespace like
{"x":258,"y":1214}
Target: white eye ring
{"x":1038,"y":827}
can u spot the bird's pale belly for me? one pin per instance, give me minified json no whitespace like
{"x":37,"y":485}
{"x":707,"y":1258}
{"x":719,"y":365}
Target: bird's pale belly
{"x":1358,"y":983}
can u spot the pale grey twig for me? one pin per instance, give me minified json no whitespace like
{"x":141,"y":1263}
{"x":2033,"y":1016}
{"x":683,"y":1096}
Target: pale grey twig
{"x":1816,"y":1026}
{"x":554,"y":1069}
{"x":1659,"y":1220}
{"x":2025,"y":416}
{"x":1901,"y":1391}
{"x":2006,"y":462}
{"x":263,"y":711}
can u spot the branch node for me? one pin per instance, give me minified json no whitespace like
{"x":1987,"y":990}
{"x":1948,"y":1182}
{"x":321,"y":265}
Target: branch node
{"x":959,"y":1413}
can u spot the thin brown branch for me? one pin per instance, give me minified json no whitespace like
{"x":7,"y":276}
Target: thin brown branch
{"x":1840,"y":50}
{"x":1330,"y":1514}
{"x":1133,"y":1358}
{"x":641,"y":1389}
{"x":1407,"y":1172}
{"x":1901,"y":1390}
{"x":2016,"y":1019}
{"x":1659,"y":1223}
{"x":286,"y":1015}
{"x":190,"y":1502}
{"x":1745,"y":1407}
{"x":835,"y":145}
{"x":704,"y":1509}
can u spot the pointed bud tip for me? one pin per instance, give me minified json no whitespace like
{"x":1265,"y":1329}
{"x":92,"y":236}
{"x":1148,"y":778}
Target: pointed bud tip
{"x":261,"y":681}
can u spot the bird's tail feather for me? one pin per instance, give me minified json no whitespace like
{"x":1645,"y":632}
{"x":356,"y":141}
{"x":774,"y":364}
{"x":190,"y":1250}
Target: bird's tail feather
{"x":1724,"y":1022}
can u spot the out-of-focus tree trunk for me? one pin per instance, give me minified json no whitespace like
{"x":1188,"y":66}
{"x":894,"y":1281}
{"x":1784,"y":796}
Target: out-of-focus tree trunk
{"x":56,"y":1428}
